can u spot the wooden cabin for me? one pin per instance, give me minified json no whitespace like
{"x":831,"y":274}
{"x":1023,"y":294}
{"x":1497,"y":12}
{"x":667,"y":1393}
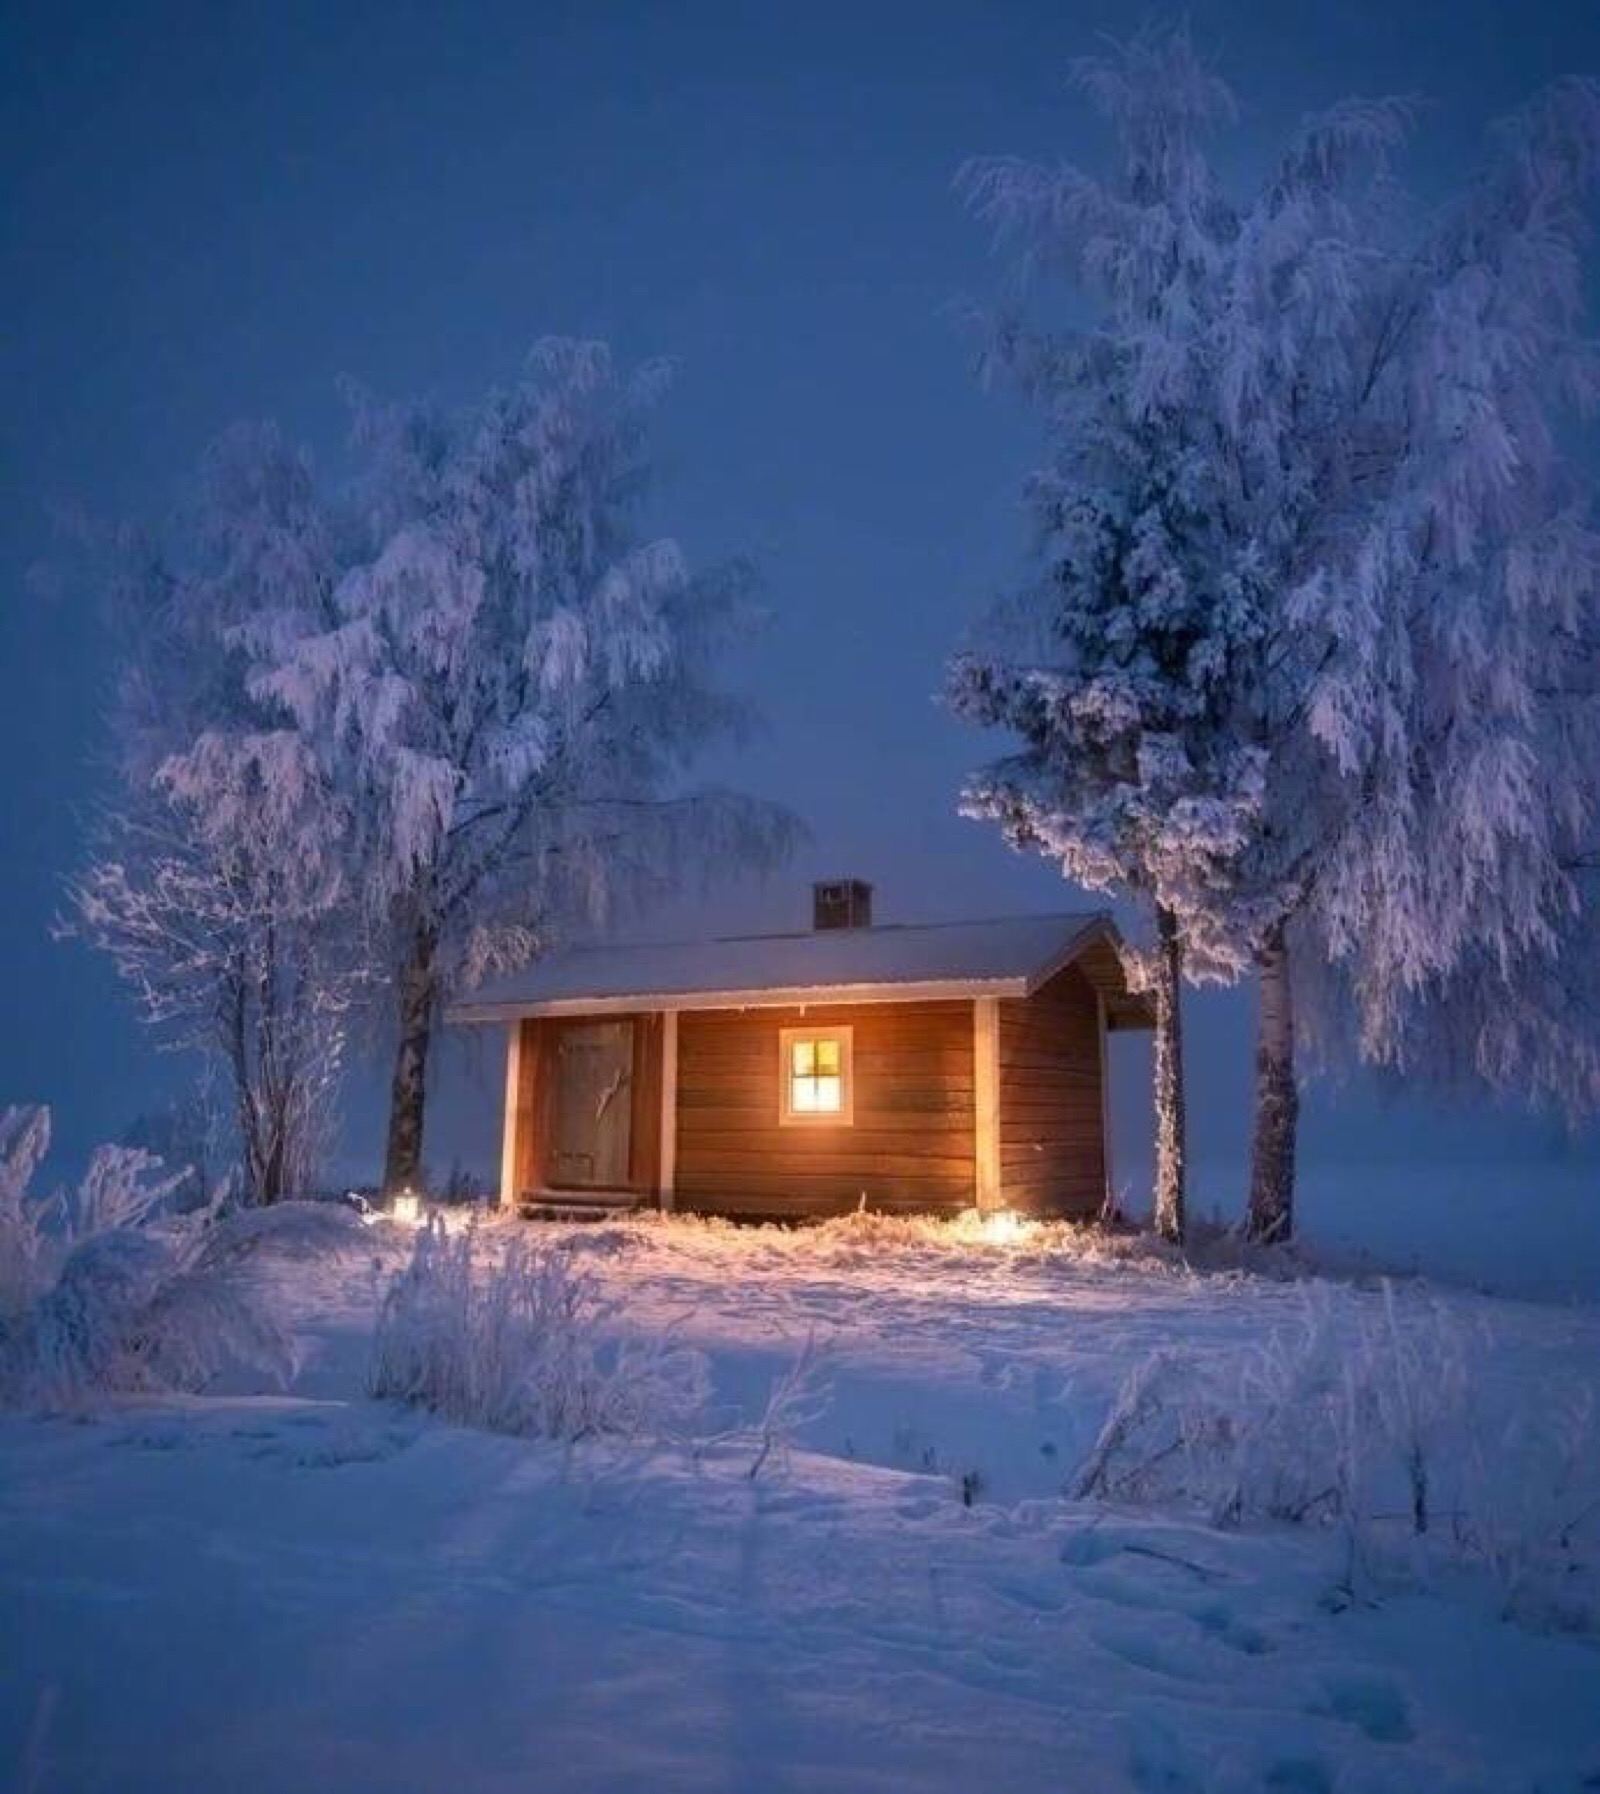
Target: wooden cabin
{"x":782,"y":1077}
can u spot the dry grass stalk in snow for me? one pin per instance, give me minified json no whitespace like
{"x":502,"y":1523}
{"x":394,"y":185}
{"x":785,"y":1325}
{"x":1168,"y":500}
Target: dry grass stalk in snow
{"x":524,"y":1343}
{"x":799,"y":1396}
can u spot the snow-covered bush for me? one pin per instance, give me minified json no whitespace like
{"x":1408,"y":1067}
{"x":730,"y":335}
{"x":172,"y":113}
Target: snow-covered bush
{"x":1358,"y":1415}
{"x":24,"y":1139}
{"x":1310,"y":1426}
{"x":524,"y":1344}
{"x":103,"y":1290}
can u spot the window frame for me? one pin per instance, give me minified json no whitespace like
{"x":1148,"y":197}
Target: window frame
{"x":845,"y":1114}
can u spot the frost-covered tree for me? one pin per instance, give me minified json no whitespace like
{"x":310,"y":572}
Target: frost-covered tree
{"x":1117,"y":667}
{"x":216,"y":883}
{"x":509,"y":687}
{"x":1455,"y":597}
{"x":1385,"y":566}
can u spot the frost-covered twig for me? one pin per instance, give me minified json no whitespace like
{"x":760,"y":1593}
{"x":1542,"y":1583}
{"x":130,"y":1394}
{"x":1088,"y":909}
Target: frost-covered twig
{"x":798,"y":1396}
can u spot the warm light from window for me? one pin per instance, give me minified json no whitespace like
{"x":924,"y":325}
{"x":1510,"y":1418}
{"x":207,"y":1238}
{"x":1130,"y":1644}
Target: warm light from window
{"x":816,"y":1079}
{"x":815,"y":1069}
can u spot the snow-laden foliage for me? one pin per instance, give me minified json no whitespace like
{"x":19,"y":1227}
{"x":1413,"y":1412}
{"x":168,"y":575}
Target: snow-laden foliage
{"x":103,"y":1290}
{"x":1361,"y":1418}
{"x":507,"y":684}
{"x":524,"y":1343}
{"x":1311,"y":656}
{"x":1118,"y":667}
{"x":218,"y":884}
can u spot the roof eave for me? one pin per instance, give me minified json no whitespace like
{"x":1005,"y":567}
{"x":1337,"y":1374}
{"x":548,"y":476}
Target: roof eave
{"x":926,"y":990}
{"x":1126,"y":1008}
{"x":1069,"y":950}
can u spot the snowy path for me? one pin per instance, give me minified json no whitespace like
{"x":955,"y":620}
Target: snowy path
{"x":315,"y":1591}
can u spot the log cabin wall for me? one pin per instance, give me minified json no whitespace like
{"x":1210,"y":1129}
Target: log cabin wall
{"x":909,"y":1146}
{"x":1052,"y":1119}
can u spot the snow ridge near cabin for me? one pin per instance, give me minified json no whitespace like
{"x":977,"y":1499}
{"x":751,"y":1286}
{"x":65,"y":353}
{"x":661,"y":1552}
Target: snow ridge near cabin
{"x":309,"y":1588}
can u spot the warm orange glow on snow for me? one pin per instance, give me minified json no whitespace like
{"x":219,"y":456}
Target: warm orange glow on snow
{"x":1003,"y":1227}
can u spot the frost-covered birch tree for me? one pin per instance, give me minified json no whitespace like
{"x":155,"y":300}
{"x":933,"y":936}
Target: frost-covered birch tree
{"x":1455,"y":597}
{"x":511,"y":685}
{"x":1388,"y":564}
{"x":216,"y":881}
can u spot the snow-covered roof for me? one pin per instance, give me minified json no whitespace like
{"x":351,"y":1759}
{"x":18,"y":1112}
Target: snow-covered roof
{"x":1008,"y":956}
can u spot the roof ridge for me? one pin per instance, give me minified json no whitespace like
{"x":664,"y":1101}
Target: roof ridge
{"x":802,"y":934}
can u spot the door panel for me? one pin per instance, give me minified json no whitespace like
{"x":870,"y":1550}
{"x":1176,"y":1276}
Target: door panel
{"x":593,"y":1105}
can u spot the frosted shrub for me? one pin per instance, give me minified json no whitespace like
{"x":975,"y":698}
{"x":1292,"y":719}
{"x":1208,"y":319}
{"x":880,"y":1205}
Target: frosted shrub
{"x":524,"y":1345}
{"x":24,"y":1139}
{"x":1334,"y":1419}
{"x":1361,"y":1416}
{"x":102,"y":1291}
{"x":1538,"y":1530}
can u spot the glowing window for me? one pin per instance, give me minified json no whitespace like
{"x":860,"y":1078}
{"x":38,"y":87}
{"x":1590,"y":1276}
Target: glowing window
{"x":814,"y":1072}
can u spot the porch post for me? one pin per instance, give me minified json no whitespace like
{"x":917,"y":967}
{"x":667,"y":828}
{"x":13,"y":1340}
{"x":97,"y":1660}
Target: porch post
{"x":986,"y":1101}
{"x":508,"y":1132}
{"x":669,"y":1109}
{"x":1109,"y":1200}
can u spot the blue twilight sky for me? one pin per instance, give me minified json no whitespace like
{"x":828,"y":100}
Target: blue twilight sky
{"x":215,"y":210}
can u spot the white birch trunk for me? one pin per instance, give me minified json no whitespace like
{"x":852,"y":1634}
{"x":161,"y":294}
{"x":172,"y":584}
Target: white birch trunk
{"x":1170,"y":1122}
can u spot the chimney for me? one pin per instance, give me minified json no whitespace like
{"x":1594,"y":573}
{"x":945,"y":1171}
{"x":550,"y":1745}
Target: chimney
{"x":841,"y":903}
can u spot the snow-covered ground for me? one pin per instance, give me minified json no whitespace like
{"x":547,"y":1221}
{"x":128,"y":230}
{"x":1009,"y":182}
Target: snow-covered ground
{"x":308,"y":1589}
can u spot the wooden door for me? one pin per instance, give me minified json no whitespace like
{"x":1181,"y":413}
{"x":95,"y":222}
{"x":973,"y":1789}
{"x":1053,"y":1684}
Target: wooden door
{"x":593,"y":1105}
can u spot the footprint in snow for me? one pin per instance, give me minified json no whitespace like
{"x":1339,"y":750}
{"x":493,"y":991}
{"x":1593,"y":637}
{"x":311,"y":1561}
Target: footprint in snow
{"x":1297,"y":1775}
{"x":1377,"y":1708}
{"x":1034,"y":1596}
{"x":1146,"y":1650}
{"x":1159,"y":1762}
{"x":150,"y":1439}
{"x":1237,"y":1636}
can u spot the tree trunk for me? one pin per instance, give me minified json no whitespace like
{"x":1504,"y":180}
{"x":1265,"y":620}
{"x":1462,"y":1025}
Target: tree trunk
{"x":1272,"y":1146}
{"x":270,"y":1183}
{"x":402,"y":1167}
{"x":251,"y":1153}
{"x":1170,"y":1128}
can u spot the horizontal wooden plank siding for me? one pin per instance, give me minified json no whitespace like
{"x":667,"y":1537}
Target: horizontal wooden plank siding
{"x":1052,"y":1146}
{"x":908,"y":1148}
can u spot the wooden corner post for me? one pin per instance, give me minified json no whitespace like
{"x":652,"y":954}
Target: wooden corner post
{"x":508,"y":1131}
{"x":986,"y":1101}
{"x":669,"y":1109}
{"x":1104,"y":1044}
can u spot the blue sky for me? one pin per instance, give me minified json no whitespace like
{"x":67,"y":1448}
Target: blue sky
{"x":215,"y":211}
